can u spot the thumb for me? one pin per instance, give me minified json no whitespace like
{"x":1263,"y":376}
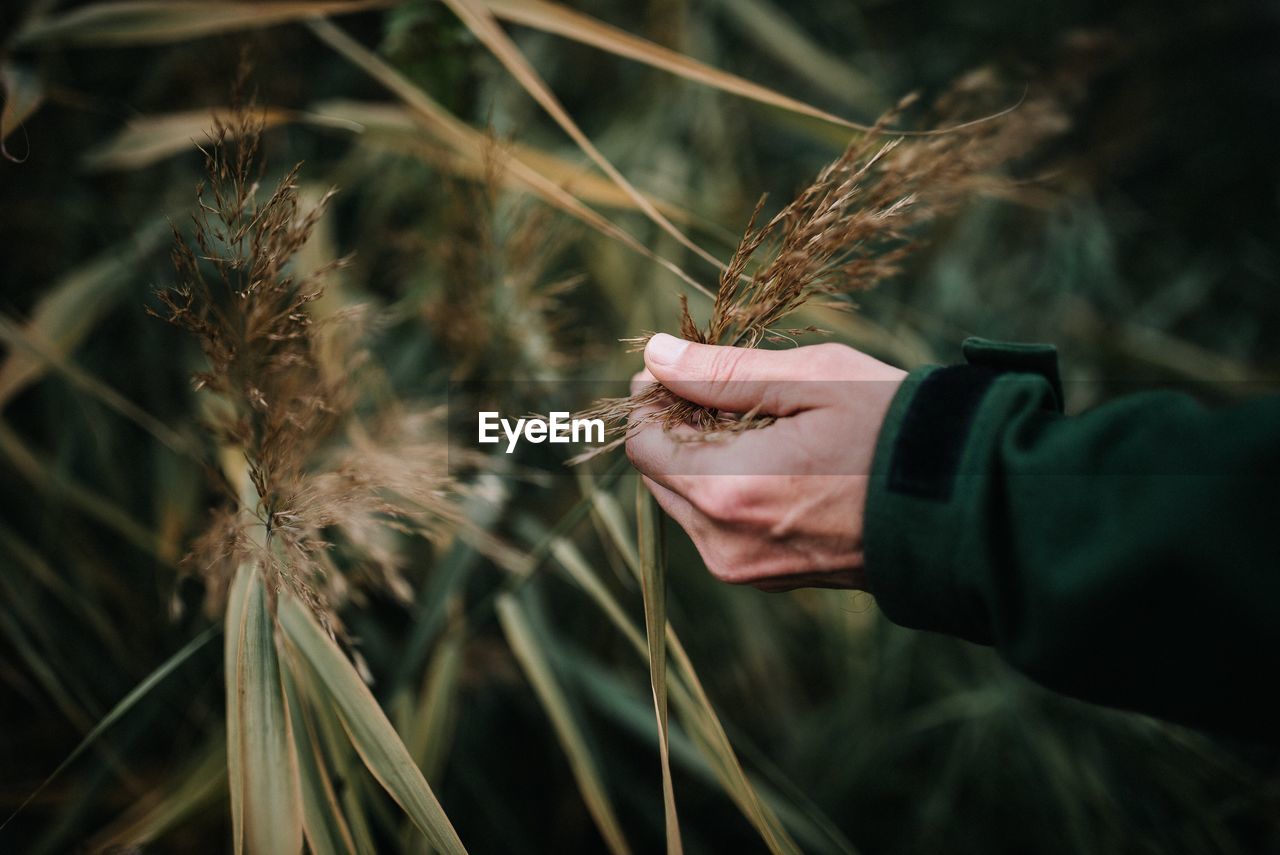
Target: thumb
{"x":736,"y":379}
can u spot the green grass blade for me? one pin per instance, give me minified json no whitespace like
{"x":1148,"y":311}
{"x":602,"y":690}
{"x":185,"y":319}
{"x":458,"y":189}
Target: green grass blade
{"x":571,"y":559}
{"x":471,"y":144}
{"x":398,"y":129}
{"x":431,"y":611}
{"x":16,"y":338}
{"x":700,"y":717}
{"x":528,"y":651}
{"x":776,"y":33}
{"x":563,"y":21}
{"x":145,"y":140}
{"x":482,"y":25}
{"x":197,"y":788}
{"x":46,"y":673}
{"x":23,"y":93}
{"x":265,"y":797}
{"x":118,"y":711}
{"x":429,"y":718}
{"x":70,"y":307}
{"x":322,"y":820}
{"x":433,"y":712}
{"x":336,"y":747}
{"x":611,"y":519}
{"x":234,"y":619}
{"x":47,"y":477}
{"x":689,"y":697}
{"x":653,"y":578}
{"x":28,"y":564}
{"x":370,"y":731}
{"x":133,"y":22}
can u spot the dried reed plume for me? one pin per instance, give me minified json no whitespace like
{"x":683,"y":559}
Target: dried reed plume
{"x":321,"y":483}
{"x":498,"y":313}
{"x":848,"y":231}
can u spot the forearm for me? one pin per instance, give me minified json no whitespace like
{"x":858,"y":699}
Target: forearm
{"x":1129,"y":556}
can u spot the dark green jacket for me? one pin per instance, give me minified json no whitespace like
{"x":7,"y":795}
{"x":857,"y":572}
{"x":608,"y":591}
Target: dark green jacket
{"x":1128,"y":556}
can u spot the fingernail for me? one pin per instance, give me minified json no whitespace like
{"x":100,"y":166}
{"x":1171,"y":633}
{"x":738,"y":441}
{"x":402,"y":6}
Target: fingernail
{"x":664,"y":349}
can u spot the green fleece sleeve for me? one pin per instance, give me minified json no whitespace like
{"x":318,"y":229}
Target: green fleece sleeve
{"x":1129,"y":556}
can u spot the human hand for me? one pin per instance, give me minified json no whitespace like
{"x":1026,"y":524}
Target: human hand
{"x":778,"y":507}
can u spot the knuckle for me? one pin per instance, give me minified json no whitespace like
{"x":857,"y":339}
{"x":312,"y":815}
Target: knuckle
{"x":633,"y":449}
{"x":721,"y":573}
{"x":715,"y":503}
{"x":831,"y":353}
{"x":724,"y":364}
{"x":725,"y":503}
{"x":720,"y":564}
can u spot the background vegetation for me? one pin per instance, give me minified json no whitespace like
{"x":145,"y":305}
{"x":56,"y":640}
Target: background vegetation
{"x":1148,"y":253}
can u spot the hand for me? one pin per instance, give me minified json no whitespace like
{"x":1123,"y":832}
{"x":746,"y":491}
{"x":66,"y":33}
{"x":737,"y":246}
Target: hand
{"x":778,"y":507}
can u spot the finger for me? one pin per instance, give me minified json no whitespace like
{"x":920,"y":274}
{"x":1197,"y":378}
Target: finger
{"x":739,"y":379}
{"x":675,"y":505}
{"x":645,"y":453}
{"x":842,"y":580}
{"x":649,"y":445}
{"x":679,"y":456}
{"x":701,"y":530}
{"x":640,"y":380}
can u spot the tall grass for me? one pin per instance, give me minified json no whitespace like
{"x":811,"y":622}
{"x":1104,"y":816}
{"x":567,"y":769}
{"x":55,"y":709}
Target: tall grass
{"x":413,"y":662}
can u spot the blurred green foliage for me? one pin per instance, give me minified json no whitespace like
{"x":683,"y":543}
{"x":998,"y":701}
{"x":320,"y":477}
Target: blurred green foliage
{"x":1151,"y":257}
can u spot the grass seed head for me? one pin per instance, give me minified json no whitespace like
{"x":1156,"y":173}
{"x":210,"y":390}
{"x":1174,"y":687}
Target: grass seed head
{"x":851,"y":229}
{"x":330,"y":489}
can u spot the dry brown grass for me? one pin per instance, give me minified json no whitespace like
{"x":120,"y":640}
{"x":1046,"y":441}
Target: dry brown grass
{"x":851,"y":229}
{"x":499,"y":311}
{"x":284,"y":394}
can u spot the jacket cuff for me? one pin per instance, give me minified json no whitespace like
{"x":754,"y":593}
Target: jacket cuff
{"x":933,"y":479}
